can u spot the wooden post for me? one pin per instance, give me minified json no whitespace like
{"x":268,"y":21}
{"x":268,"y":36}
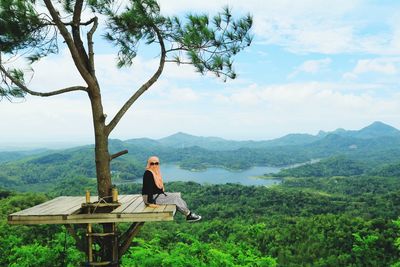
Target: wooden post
{"x":115,"y":246}
{"x":114,"y":194}
{"x":108,"y":236}
{"x":87,"y":196}
{"x":90,"y":243}
{"x":89,"y":232}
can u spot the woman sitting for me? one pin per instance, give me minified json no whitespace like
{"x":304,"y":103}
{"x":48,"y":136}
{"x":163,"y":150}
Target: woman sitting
{"x":153,"y":191}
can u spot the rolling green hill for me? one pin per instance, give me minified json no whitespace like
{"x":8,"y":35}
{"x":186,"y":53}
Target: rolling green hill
{"x":372,"y":148}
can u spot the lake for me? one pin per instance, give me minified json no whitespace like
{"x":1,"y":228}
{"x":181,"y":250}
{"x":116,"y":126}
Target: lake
{"x":172,"y":172}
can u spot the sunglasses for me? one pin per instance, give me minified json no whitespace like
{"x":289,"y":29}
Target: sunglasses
{"x":154,"y":163}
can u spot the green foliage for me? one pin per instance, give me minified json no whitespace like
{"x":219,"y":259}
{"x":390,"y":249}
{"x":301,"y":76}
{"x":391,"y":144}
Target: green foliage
{"x":192,"y":252}
{"x":52,"y":169}
{"x":298,"y":227}
{"x":397,"y":242}
{"x":387,"y":170}
{"x":136,"y":23}
{"x":47,"y":245}
{"x":288,"y":225}
{"x":59,"y":251}
{"x":17,"y":202}
{"x":20,"y":25}
{"x":31,"y":255}
{"x":335,"y":166}
{"x":306,"y":221}
{"x":8,"y":89}
{"x":8,"y":156}
{"x":209,"y":46}
{"x":363,"y":250}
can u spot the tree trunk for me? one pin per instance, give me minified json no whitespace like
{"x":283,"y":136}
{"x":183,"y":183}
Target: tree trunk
{"x":102,"y":155}
{"x":103,"y":170}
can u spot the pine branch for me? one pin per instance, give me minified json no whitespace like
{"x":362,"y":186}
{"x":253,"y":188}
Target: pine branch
{"x":21,"y":86}
{"x":90,"y":44}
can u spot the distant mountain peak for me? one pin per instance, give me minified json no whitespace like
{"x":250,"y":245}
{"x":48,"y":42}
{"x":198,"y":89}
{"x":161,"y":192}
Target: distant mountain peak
{"x":179,"y":135}
{"x":339,"y":130}
{"x":379,"y":124}
{"x":189,"y":137}
{"x":182,"y":133}
{"x":378,"y":129}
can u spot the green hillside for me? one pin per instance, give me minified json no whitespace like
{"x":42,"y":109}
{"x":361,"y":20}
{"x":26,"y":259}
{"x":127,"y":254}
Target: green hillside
{"x":335,"y":166}
{"x":346,"y":155}
{"x":303,"y":222}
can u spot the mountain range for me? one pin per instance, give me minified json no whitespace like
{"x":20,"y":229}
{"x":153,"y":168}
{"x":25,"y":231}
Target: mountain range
{"x":182,"y":140}
{"x":375,"y":147}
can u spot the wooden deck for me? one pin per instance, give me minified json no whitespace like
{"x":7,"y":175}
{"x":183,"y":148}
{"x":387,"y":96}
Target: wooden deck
{"x":68,"y":210}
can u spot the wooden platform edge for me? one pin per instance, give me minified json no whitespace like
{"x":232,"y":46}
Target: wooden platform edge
{"x":92,"y":218}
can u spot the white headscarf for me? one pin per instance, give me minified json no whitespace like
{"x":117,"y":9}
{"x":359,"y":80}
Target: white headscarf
{"x":155,"y":170}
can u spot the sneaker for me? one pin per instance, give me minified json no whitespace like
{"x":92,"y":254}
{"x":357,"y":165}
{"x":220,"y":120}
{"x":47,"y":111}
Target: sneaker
{"x":192,"y":217}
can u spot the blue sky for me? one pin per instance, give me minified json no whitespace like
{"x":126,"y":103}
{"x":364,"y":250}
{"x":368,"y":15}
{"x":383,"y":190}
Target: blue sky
{"x":313,"y":65}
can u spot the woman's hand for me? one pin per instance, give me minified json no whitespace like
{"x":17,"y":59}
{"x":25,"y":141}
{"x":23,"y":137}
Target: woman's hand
{"x":152,"y":205}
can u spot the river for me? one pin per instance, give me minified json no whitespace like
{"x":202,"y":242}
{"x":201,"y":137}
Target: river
{"x":171,"y":172}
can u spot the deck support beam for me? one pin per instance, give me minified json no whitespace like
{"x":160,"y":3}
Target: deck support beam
{"x":78,"y":241}
{"x":127,"y":237}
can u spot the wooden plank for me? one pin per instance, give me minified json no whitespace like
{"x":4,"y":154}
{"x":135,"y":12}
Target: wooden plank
{"x":54,"y":206}
{"x":140,"y":208}
{"x":33,"y":209}
{"x":75,"y":209}
{"x":131,"y":208}
{"x":29,"y":218}
{"x":127,"y":202}
{"x":61,"y":204}
{"x":147,"y":209}
{"x":73,"y":204}
{"x":146,"y":217}
{"x":170,"y":208}
{"x":160,"y":208}
{"x":121,"y":198}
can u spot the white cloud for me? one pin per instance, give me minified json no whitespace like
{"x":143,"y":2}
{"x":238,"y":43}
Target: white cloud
{"x":171,"y":94}
{"x":385,"y":66}
{"x":253,"y":112}
{"x":349,"y":76}
{"x":345,"y":27}
{"x":47,"y":120}
{"x":310,"y":26}
{"x":308,"y":107}
{"x":380,"y":65}
{"x":312,"y":66}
